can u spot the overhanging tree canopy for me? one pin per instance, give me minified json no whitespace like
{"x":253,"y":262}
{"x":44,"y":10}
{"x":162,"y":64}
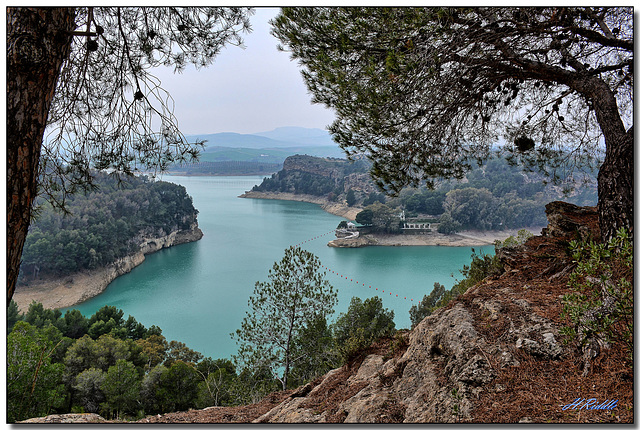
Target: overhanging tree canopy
{"x":83,"y":74}
{"x":425,"y":92}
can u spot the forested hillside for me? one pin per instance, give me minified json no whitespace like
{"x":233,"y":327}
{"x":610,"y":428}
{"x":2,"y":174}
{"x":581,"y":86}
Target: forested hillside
{"x":104,"y":225}
{"x":115,"y":366}
{"x":304,"y":174}
{"x":494,"y":196}
{"x":105,"y":363}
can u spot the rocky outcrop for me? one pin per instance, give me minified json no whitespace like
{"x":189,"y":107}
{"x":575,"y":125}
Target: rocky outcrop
{"x":435,"y":380}
{"x":176,"y":237}
{"x":356,"y":242}
{"x":495,"y":354}
{"x":566,"y":219}
{"x":66,"y":419}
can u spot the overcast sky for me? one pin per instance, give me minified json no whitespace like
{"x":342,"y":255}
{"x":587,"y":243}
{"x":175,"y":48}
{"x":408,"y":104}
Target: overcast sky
{"x":245,"y":90}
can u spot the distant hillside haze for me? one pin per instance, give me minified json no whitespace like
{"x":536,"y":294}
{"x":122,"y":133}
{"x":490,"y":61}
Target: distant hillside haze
{"x":267,"y":155}
{"x":282,"y":137}
{"x":258,"y":153}
{"x":300,"y":135}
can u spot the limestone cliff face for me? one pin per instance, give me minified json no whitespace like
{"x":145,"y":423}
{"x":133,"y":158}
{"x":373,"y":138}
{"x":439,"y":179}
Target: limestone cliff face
{"x":79,"y":287}
{"x":149,"y":244}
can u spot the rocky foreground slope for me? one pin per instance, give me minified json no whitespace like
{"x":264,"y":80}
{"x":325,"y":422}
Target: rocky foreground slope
{"x":493,"y":355}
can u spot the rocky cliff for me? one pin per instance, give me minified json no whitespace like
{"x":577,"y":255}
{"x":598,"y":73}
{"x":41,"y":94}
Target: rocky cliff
{"x":329,"y":178}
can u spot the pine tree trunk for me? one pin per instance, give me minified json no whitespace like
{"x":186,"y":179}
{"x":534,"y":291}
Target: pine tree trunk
{"x":38,"y":41}
{"x":615,"y":178}
{"x":615,"y":187}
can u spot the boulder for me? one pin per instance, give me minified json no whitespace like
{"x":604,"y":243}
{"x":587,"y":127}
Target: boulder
{"x":66,"y":419}
{"x":566,"y":219}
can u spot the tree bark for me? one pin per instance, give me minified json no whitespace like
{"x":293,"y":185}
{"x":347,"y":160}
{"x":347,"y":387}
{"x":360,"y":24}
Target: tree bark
{"x":615,"y":186}
{"x":615,"y":177}
{"x":38,"y":42}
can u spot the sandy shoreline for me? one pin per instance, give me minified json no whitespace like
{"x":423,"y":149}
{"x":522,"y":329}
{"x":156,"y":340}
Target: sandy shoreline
{"x":334,"y":208}
{"x":55,"y":293}
{"x":463,"y":238}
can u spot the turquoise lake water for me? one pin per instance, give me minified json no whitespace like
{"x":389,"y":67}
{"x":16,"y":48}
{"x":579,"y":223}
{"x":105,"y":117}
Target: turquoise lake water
{"x":198,"y":292}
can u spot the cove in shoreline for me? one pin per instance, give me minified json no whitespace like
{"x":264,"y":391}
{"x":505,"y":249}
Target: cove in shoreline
{"x":56,"y":292}
{"x":463,"y":238}
{"x":333,"y":208}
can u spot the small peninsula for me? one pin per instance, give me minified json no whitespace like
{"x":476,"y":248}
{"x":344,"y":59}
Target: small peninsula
{"x":491,"y":203}
{"x":68,"y":259}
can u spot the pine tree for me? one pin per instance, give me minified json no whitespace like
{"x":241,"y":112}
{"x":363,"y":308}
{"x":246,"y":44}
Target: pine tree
{"x":297,"y":294}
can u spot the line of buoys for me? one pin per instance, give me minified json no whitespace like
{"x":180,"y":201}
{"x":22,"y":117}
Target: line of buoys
{"x":336,"y":273}
{"x":314,"y":238}
{"x":363,"y":284}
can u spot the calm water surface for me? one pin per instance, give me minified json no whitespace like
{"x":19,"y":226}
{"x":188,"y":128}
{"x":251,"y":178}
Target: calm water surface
{"x":197,"y":292}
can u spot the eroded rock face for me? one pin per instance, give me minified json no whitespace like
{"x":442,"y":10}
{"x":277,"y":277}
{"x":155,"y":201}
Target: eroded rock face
{"x":564,"y":219}
{"x":66,"y":419}
{"x":410,"y":388}
{"x":155,"y":242}
{"x":443,"y":347}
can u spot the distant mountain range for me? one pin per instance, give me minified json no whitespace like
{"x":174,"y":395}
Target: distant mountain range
{"x":253,"y":153}
{"x":282,"y":137}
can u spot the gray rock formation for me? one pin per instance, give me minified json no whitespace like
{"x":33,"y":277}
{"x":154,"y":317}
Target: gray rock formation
{"x":66,"y":419}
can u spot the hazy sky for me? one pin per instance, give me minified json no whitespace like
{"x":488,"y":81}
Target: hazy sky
{"x":245,"y":90}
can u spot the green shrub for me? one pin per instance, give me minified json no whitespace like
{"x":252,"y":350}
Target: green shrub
{"x":428,"y":304}
{"x":481,"y":266}
{"x":364,"y":323}
{"x":601,"y":306}
{"x":514,"y":241}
